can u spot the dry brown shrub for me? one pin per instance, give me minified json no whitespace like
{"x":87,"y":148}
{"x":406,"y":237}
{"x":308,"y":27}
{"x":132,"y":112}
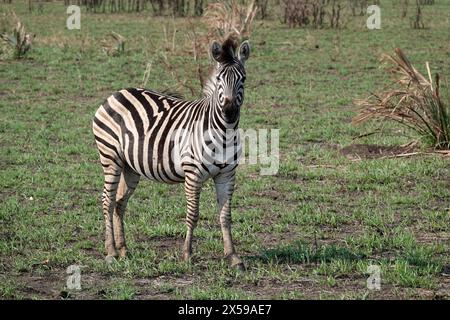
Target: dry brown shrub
{"x":413,"y":100}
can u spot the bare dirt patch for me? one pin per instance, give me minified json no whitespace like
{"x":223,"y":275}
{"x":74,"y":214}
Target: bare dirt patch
{"x":47,"y":286}
{"x":368,"y":151}
{"x":162,"y":243}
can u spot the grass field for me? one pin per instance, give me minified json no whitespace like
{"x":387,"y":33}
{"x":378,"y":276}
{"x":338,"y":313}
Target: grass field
{"x":311,"y":231}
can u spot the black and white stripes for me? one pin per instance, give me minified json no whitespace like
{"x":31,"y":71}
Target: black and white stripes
{"x":140,"y":132}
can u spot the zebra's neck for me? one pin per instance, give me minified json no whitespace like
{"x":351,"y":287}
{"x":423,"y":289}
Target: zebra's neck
{"x":209,"y":85}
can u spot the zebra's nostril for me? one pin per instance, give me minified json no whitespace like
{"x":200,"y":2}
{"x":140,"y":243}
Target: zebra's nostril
{"x":227,"y":101}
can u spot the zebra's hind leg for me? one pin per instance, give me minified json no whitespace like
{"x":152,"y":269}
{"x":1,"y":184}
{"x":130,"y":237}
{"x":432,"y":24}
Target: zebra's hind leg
{"x":192,"y":190}
{"x":112,"y":174}
{"x":224,"y":190}
{"x":127,"y":184}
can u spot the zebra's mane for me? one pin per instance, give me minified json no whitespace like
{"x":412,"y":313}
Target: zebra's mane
{"x":210,"y":84}
{"x":172,"y":93}
{"x":227,"y":55}
{"x":229,"y":47}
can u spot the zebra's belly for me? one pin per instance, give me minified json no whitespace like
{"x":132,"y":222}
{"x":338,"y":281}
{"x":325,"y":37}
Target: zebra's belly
{"x":154,"y":163}
{"x":164,"y":174}
{"x":170,"y":168}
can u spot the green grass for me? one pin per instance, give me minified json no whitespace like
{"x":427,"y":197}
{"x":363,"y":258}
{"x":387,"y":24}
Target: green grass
{"x":310,"y":231}
{"x":120,"y":290}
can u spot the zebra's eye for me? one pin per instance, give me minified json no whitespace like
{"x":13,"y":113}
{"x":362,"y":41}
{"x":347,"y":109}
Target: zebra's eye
{"x":240,"y":97}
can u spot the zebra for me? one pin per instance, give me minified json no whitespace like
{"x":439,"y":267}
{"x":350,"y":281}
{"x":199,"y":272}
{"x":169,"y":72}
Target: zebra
{"x":140,"y":132}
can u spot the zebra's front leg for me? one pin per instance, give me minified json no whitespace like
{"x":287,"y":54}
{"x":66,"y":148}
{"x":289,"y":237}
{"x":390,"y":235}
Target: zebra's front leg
{"x":224,"y":192}
{"x":192,"y":189}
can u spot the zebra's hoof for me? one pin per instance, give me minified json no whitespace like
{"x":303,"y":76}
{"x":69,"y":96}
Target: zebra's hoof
{"x":187,"y":254}
{"x":110,"y":259}
{"x":240,"y":267}
{"x":123,"y":252}
{"x":236,"y":263}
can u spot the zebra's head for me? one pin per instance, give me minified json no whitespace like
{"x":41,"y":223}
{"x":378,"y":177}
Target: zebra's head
{"x":230,"y":76}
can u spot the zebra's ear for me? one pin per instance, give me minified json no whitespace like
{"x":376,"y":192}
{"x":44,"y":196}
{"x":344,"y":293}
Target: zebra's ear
{"x":244,"y":51}
{"x":216,"y":51}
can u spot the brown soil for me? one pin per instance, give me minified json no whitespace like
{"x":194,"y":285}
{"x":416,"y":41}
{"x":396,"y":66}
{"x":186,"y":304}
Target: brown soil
{"x":367,"y":151}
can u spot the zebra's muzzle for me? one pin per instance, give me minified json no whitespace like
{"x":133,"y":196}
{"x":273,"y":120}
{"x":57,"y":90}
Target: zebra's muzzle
{"x":231,"y":111}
